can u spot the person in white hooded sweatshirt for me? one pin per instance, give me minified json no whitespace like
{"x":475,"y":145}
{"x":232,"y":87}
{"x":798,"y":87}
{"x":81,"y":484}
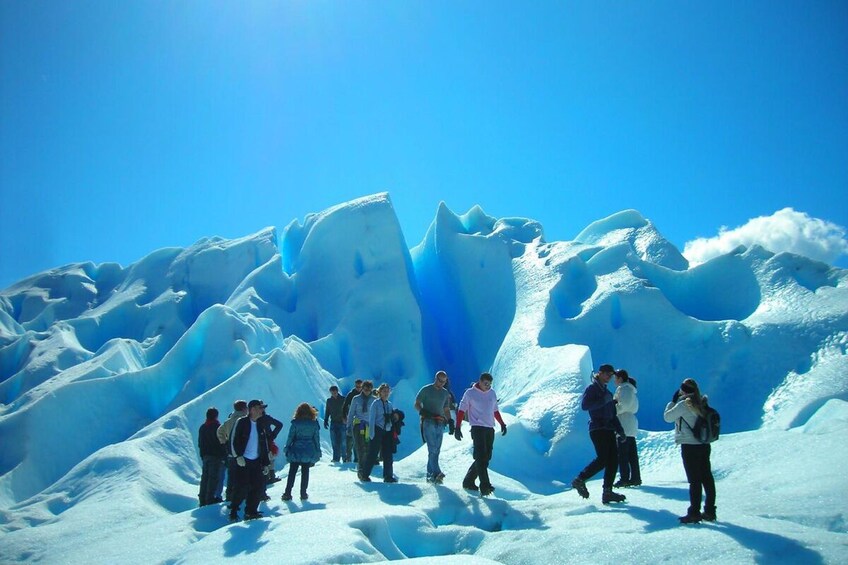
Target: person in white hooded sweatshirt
{"x":626,"y":406}
{"x":480,"y":405}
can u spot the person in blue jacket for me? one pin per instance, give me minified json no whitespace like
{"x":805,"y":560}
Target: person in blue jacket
{"x":604,"y":426}
{"x":303,"y":448}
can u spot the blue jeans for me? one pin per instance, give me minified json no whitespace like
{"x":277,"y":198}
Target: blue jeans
{"x":433,"y":433}
{"x":337,"y":433}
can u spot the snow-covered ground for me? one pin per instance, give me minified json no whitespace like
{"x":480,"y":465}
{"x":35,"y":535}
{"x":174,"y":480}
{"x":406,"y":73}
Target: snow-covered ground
{"x":106,"y":373}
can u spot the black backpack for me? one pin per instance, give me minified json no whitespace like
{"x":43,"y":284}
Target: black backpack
{"x":708,"y":426}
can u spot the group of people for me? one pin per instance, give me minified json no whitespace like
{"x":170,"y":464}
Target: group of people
{"x":364,"y":427}
{"x":612,"y":430}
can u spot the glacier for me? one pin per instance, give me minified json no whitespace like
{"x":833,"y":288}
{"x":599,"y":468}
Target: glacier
{"x":106,"y":371}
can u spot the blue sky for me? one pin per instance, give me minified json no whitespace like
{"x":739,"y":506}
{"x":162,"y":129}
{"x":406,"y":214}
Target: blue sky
{"x":130,"y":126}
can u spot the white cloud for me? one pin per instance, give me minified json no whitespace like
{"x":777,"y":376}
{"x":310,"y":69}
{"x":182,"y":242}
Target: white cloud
{"x":785,"y":230}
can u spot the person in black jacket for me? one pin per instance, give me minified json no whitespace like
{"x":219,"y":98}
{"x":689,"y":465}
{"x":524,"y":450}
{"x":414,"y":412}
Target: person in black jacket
{"x":214,"y":457}
{"x":334,"y":421}
{"x":272,"y":429}
{"x":604,"y":430}
{"x":250,"y":448}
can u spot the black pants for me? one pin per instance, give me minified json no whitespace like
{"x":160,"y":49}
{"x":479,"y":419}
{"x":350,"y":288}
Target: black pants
{"x":213,"y":466}
{"x":606,"y":457}
{"x":383,"y":441}
{"x":304,"y":477}
{"x":248,"y":484}
{"x":628,"y":461}
{"x":699,"y":473}
{"x":484,"y":443}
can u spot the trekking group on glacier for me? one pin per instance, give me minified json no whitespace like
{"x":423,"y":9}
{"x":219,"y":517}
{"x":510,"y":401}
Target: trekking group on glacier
{"x":364,"y":428}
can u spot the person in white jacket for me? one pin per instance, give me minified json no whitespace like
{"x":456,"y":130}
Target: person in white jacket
{"x":684,"y":410}
{"x":480,"y":405}
{"x":626,"y":406}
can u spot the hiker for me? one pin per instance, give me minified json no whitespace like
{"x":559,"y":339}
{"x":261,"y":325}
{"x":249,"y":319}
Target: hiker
{"x":303,"y":448}
{"x":381,"y":421}
{"x":213,"y":454}
{"x":349,"y":452}
{"x":626,"y":406}
{"x":433,"y":405}
{"x":273,"y":427}
{"x":480,"y":405}
{"x":604,"y":429}
{"x":224,"y":434}
{"x":334,"y":421}
{"x":685,"y":407}
{"x":358,"y":415}
{"x":250,"y":448}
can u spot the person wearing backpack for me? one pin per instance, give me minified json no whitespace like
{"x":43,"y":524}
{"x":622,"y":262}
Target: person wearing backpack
{"x":686,"y":407}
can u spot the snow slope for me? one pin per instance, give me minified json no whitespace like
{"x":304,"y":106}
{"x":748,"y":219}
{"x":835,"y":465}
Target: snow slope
{"x":106,"y":373}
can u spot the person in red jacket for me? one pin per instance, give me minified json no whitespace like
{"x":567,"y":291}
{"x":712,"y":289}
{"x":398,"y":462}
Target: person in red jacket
{"x":480,"y":405}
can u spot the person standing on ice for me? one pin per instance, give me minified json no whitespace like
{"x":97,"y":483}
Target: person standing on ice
{"x":684,"y":409}
{"x":433,"y":405}
{"x":626,"y":406}
{"x":349,"y":452}
{"x":381,"y":422}
{"x":480,"y":405}
{"x":303,"y":448}
{"x":214,"y":457}
{"x":334,"y":421}
{"x":358,"y":414}
{"x":225,"y":436}
{"x":250,"y":447}
{"x":603,"y":429}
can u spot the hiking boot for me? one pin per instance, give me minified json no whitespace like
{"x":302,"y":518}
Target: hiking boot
{"x":469,"y":486}
{"x":691,"y":518}
{"x":610,"y":496}
{"x":709,"y":514}
{"x":233,"y":517}
{"x":439,"y":478}
{"x":252,"y":516}
{"x":632,"y":484}
{"x":363,"y":477}
{"x":390,"y":480}
{"x":620,"y":483}
{"x":287,"y":496}
{"x":579,"y":485}
{"x":304,"y":496}
{"x":486,"y":490}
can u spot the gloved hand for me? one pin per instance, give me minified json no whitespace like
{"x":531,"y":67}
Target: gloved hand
{"x":240,"y":461}
{"x":326,"y":425}
{"x":676,"y":396}
{"x":451,"y":426}
{"x":503,"y":429}
{"x":458,"y":434}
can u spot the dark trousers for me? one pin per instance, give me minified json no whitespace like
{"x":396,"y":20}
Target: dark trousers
{"x":483,"y":439}
{"x":231,"y":465}
{"x":348,"y":447}
{"x":628,"y":461}
{"x":360,"y":447}
{"x":213,"y":467}
{"x":304,"y":477}
{"x":699,"y":473}
{"x":337,"y":434}
{"x":249,"y":485}
{"x":383,"y":441}
{"x":606,"y":457}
